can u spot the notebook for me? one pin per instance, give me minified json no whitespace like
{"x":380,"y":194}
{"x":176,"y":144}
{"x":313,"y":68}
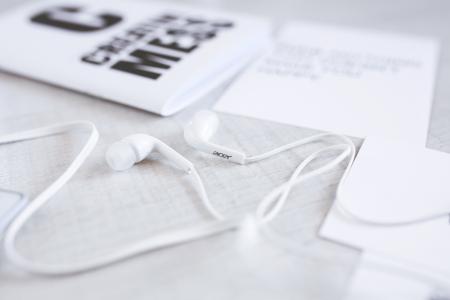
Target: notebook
{"x":154,"y":56}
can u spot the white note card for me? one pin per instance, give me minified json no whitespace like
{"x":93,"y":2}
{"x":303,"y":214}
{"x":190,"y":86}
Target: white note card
{"x":391,"y":183}
{"x":344,"y":80}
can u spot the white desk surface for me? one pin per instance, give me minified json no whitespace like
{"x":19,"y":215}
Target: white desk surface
{"x":219,"y":268}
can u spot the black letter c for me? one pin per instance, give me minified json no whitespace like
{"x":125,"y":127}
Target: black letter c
{"x":74,"y":19}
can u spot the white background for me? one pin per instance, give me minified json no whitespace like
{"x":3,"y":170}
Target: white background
{"x":207,"y":269}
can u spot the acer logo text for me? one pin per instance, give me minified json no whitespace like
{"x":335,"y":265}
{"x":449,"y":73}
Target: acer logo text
{"x":222,"y":155}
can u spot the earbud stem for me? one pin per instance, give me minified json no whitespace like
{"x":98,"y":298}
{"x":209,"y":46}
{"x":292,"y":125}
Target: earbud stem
{"x":174,"y":156}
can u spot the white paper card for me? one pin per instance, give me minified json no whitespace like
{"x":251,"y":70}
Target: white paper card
{"x":152,"y":55}
{"x":344,"y":80}
{"x":395,"y":189}
{"x":392,"y":182}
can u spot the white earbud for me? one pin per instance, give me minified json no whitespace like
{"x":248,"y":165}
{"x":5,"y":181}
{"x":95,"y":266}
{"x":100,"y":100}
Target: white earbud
{"x":123,"y":154}
{"x":199,"y":131}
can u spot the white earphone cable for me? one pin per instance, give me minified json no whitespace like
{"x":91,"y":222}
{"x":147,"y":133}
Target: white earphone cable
{"x":204,"y":196}
{"x":156,"y":242}
{"x":277,"y":198}
{"x":266,"y":211}
{"x":304,"y":141}
{"x":43,"y":197}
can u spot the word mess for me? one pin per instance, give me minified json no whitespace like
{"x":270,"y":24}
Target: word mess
{"x":154,"y":46}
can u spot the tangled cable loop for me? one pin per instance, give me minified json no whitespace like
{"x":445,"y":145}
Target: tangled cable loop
{"x":273,"y":203}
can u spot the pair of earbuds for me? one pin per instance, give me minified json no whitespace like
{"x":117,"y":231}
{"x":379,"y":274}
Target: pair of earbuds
{"x":123,"y":154}
{"x":198,"y":132}
{"x":135,"y":148}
